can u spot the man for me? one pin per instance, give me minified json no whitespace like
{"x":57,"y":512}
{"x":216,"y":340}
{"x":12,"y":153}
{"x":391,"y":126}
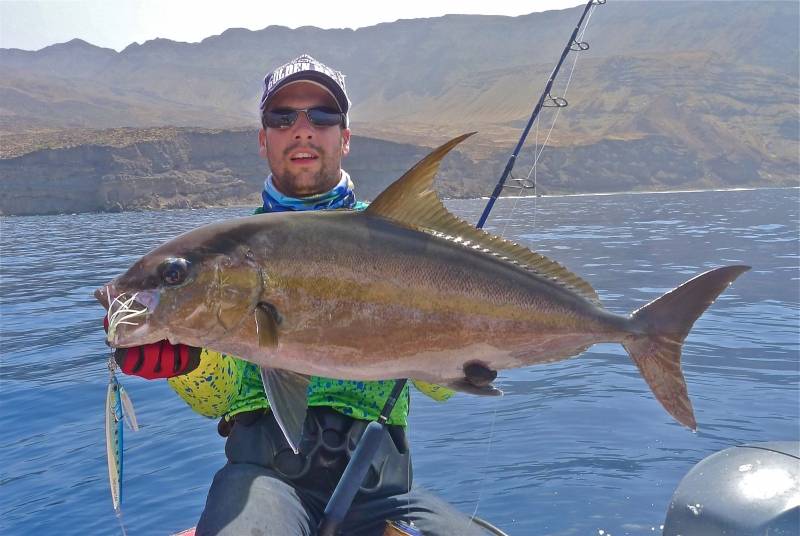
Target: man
{"x":265,"y":488}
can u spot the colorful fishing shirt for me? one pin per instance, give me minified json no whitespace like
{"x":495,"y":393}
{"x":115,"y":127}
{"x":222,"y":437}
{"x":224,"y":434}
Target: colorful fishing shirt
{"x":223,"y":385}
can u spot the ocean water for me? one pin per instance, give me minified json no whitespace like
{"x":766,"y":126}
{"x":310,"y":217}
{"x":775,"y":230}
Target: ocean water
{"x":575,"y":447}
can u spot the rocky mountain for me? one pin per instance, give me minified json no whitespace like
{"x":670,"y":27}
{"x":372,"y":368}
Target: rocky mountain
{"x":134,"y":169}
{"x":671,"y":94}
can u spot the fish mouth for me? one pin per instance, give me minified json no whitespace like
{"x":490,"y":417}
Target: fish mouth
{"x":102,"y":295}
{"x":127,"y":314}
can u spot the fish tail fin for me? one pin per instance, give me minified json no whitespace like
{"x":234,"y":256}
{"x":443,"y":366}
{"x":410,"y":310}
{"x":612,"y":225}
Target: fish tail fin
{"x":662,"y":325}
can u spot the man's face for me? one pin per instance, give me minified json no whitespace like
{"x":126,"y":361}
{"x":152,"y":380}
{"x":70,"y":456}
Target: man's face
{"x":304,"y":159}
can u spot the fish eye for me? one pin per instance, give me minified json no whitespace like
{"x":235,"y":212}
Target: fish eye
{"x":173,"y":271}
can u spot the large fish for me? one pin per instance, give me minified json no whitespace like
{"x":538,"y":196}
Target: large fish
{"x":403,"y":289}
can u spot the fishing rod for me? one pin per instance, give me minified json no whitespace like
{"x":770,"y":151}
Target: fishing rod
{"x":546,"y":100}
{"x":358,"y":465}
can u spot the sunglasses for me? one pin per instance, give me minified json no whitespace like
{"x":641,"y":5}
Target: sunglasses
{"x":319,"y":116}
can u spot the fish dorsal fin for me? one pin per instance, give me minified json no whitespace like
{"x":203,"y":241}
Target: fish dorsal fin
{"x":411,"y":201}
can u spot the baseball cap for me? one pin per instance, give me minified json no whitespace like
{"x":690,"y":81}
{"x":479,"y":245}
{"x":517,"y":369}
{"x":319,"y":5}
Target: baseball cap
{"x":306,"y":68}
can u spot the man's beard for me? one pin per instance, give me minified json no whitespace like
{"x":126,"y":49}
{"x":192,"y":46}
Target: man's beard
{"x":328,"y":174}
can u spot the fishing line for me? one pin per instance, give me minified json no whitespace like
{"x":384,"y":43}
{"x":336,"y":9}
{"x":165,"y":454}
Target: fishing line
{"x":485,"y":465}
{"x":535,"y":183}
{"x":539,"y":151}
{"x":522,"y":187}
{"x":545,"y":100}
{"x":121,"y":524}
{"x":576,"y":41}
{"x":408,"y":461}
{"x":566,"y":89}
{"x":536,"y":150}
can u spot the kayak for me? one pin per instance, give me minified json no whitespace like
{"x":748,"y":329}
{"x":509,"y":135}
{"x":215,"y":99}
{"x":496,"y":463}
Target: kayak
{"x":739,"y":491}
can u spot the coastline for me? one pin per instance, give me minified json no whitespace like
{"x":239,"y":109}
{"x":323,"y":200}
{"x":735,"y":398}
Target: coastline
{"x":252,"y":205}
{"x":644,"y":192}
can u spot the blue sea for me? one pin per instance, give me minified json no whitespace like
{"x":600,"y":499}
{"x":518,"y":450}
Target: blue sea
{"x":576,"y":447}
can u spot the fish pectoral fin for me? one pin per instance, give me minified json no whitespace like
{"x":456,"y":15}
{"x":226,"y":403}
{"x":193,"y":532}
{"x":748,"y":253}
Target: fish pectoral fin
{"x":465,"y":386}
{"x":267,"y":321}
{"x":287,"y":393}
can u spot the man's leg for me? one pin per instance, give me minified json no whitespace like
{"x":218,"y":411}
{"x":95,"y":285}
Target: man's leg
{"x":429,"y":513}
{"x":248,"y":499}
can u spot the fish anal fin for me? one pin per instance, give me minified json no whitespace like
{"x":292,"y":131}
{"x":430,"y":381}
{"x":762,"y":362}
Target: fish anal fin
{"x":287,"y":393}
{"x":411,"y":201}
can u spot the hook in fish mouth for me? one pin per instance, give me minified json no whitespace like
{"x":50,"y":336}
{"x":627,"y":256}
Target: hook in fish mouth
{"x":121,"y":311}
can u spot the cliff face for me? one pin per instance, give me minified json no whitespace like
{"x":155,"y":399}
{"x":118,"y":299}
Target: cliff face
{"x":184,"y":169}
{"x":187,"y":170}
{"x":649,"y":163}
{"x":181,"y":168}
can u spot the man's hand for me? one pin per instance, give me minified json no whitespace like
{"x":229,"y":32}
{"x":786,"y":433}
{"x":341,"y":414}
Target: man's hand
{"x":157,"y":360}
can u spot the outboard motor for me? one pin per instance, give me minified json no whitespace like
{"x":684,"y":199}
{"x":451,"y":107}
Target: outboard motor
{"x":749,"y":490}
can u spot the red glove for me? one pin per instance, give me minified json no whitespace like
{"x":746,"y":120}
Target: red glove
{"x":156,"y":360}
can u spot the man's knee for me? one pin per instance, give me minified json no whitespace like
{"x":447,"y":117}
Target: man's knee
{"x":250,"y":499}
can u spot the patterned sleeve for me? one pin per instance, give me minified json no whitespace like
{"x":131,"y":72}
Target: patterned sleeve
{"x":212,"y":387}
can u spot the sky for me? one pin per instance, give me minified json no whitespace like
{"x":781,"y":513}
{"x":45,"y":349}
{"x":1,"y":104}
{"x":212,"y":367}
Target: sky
{"x":35,"y":24}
